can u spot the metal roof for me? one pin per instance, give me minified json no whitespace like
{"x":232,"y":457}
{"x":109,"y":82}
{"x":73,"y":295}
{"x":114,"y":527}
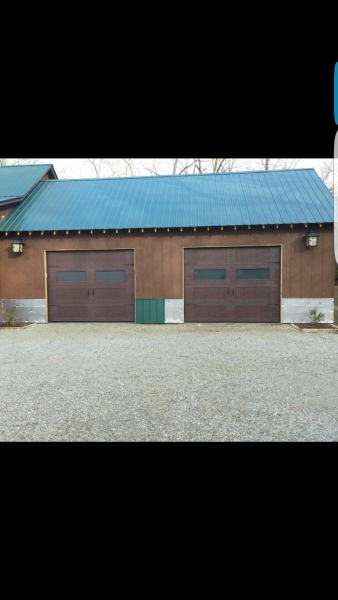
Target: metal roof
{"x":249,"y":198}
{"x":16,"y":181}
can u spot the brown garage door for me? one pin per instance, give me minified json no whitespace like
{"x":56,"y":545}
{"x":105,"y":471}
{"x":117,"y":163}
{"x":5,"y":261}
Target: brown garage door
{"x":232,"y":284}
{"x":91,"y":286}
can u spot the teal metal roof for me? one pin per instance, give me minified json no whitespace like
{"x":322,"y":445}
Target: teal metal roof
{"x":16,"y":181}
{"x":250,"y":198}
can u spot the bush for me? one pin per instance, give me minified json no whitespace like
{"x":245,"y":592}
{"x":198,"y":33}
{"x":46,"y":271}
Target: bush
{"x":314,"y":317}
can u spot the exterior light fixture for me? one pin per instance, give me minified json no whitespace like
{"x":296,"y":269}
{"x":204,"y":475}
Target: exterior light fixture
{"x":91,"y":231}
{"x":54,"y":232}
{"x":208,"y":228}
{"x":263,"y":226}
{"x":79,"y":232}
{"x":311,"y":239}
{"x":30,"y":233}
{"x":168,"y":229}
{"x":155,"y":230}
{"x":249,"y":226}
{"x":67,"y":232}
{"x":222,"y":228}
{"x":235,"y":227}
{"x":277,"y":226}
{"x":18,"y":245}
{"x":117,"y":230}
{"x":181,"y":229}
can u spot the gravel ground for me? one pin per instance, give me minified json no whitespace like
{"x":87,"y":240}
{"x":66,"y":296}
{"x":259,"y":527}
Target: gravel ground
{"x":126,"y":382}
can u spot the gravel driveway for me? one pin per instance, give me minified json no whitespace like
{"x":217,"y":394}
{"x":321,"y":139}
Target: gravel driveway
{"x":109,"y":382}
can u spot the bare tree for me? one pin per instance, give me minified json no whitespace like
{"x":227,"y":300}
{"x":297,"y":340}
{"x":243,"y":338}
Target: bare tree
{"x":97,"y":164}
{"x":6,"y":162}
{"x":326,"y":174}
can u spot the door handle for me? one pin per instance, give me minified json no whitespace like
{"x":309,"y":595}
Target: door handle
{"x":93,"y":292}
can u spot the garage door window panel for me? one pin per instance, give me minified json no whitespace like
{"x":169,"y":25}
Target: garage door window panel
{"x":110,"y":276}
{"x":71,"y":277}
{"x":209,"y":274}
{"x":252,"y":274}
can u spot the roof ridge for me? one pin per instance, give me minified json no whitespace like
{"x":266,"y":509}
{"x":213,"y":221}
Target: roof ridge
{"x":180,"y":176}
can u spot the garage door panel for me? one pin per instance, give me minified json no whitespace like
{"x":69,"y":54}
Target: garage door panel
{"x":206,"y":313}
{"x":249,"y":314}
{"x":113,"y":313}
{"x":112,"y":299}
{"x":112,"y":295}
{"x":70,"y":260}
{"x":255,"y":293}
{"x":117,"y":258}
{"x":209,"y":293}
{"x":70,"y":295}
{"x":69,"y":313}
{"x":252,"y":296}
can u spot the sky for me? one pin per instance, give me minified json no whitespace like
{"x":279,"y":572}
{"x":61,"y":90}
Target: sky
{"x":80,"y":168}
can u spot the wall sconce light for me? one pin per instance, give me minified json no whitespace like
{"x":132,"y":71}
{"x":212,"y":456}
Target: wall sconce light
{"x":18,"y":245}
{"x":311,"y":239}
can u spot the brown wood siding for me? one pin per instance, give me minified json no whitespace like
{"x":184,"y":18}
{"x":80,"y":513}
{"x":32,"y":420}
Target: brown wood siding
{"x":159,"y":258}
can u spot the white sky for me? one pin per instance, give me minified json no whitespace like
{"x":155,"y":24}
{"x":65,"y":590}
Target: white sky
{"x":78,"y":168}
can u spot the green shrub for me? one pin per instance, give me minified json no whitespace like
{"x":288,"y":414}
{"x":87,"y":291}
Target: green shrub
{"x":315,"y":316}
{"x":11,"y":316}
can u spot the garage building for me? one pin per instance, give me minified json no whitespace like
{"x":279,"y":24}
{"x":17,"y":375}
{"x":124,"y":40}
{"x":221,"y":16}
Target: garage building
{"x":229,"y":247}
